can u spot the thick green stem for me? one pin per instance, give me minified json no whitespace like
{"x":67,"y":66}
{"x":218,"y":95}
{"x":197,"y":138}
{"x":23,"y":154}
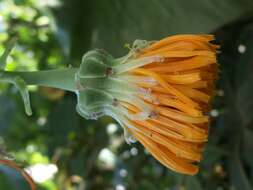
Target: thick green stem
{"x":59,"y":78}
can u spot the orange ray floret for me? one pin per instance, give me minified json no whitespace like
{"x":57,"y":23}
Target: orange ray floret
{"x":177,"y":128}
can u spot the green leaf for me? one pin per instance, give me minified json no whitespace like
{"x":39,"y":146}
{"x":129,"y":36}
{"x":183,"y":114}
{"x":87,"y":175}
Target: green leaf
{"x":212,"y":154}
{"x":21,"y":85}
{"x":238,"y":176}
{"x":192,"y":183}
{"x":248,"y":146}
{"x":7,"y":107}
{"x":61,"y":123}
{"x":244,"y":77}
{"x":236,"y":74}
{"x":111,"y":24}
{"x":5,"y":183}
{"x":12,"y":179}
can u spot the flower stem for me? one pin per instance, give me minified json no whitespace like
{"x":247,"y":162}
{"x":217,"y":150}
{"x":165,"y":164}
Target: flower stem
{"x":59,"y":78}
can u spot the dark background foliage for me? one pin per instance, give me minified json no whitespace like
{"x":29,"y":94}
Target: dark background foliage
{"x":92,"y":155}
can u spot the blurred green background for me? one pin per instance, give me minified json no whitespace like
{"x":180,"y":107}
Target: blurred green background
{"x":66,"y":152}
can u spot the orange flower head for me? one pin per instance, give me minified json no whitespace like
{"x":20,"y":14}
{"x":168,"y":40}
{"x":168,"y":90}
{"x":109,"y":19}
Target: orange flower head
{"x":160,"y":93}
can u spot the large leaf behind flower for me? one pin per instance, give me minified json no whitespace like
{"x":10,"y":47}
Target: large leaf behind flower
{"x":112,"y":23}
{"x":236,"y":65}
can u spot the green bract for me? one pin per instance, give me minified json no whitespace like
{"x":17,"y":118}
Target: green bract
{"x":102,"y":82}
{"x":92,"y":80}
